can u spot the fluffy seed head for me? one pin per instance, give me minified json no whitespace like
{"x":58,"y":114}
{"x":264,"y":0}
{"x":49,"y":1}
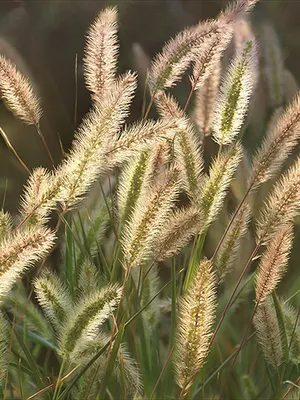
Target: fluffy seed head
{"x":141,"y":136}
{"x":179,"y":52}
{"x":214,"y":188}
{"x":273,"y":263}
{"x":237,"y":9}
{"x":282,"y":205}
{"x":53,"y":297}
{"x":205,"y":100}
{"x":188,"y":157}
{"x":18,"y":93}
{"x":5,"y":225}
{"x":19,"y":252}
{"x":196,"y":317}
{"x":39,"y":197}
{"x":268,"y":333}
{"x":97,"y":133}
{"x":182,"y":226}
{"x":282,"y":136}
{"x":209,"y":60}
{"x":100,"y":62}
{"x":232,"y":101}
{"x":87,"y":316}
{"x":149,"y":218}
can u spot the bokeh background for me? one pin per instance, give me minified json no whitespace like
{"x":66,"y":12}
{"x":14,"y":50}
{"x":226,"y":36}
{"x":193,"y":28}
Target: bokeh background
{"x":45,"y":38}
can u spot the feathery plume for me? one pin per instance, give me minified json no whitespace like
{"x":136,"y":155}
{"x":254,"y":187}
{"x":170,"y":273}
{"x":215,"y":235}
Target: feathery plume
{"x":273,"y":66}
{"x":87,"y":316}
{"x":186,"y":146}
{"x":53,"y":297}
{"x":179,"y":52}
{"x":98,"y":131}
{"x":17,"y":92}
{"x":196,"y":317}
{"x":168,"y":107}
{"x":189,"y":160}
{"x":130,"y":184}
{"x":292,"y":326}
{"x":101,"y":51}
{"x":214,"y":188}
{"x":232,"y":101}
{"x":209,"y":59}
{"x":88,"y":281}
{"x":182,"y":226}
{"x":160,"y":157}
{"x":282,"y":136}
{"x":19,"y":252}
{"x":268,"y":333}
{"x":4,"y":347}
{"x":141,"y":136}
{"x":228,"y":251}
{"x":5,"y":225}
{"x":139,"y":175}
{"x":237,"y":9}
{"x":205,"y":100}
{"x":39,"y":197}
{"x":273,"y":263}
{"x":282,"y":205}
{"x":149,"y":217}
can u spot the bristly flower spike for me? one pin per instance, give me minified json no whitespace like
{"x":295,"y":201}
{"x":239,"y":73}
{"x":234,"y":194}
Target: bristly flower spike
{"x":205,"y":100}
{"x":179,"y":52}
{"x":273,"y":263}
{"x":150,"y":216}
{"x":188,"y":156}
{"x":215,"y":186}
{"x":268,"y":332}
{"x":196,"y":317}
{"x":282,"y":136}
{"x":16,"y":90}
{"x":99,"y":130}
{"x":100,"y":62}
{"x":53,"y":297}
{"x":182,"y":225}
{"x":19,"y":252}
{"x":232,"y":101}
{"x":84,"y":321}
{"x":282,"y":205}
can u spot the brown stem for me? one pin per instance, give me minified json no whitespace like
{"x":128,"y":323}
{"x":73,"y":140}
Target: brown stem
{"x":37,"y":127}
{"x":149,"y":106}
{"x":10,"y":146}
